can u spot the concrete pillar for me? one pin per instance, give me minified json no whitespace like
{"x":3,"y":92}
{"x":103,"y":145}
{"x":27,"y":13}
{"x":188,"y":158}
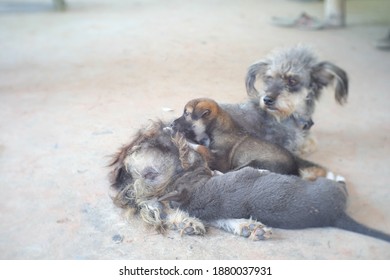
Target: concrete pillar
{"x":335,"y":12}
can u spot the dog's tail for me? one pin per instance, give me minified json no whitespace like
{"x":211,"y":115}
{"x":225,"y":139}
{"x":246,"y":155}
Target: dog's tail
{"x":255,"y":69}
{"x":347,"y":223}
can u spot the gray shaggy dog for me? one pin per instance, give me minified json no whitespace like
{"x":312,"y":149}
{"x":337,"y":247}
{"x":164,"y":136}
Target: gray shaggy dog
{"x":292,"y":80}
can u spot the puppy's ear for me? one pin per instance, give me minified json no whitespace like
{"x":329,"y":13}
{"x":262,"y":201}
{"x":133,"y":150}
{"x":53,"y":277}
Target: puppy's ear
{"x":205,"y":113}
{"x":325,"y":73}
{"x":257,"y":69}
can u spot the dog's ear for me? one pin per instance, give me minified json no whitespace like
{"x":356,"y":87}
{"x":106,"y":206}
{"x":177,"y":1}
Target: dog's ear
{"x":205,"y":113}
{"x":325,"y":73}
{"x":177,"y":196}
{"x":256,"y":69}
{"x":120,"y":178}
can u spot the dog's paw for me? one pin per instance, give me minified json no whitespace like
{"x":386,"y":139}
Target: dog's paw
{"x":313,"y":172}
{"x":338,"y":178}
{"x":168,"y":129}
{"x":152,"y":213}
{"x":255,"y":231}
{"x":263,"y":171}
{"x":184,"y":224}
{"x":216,"y":173}
{"x":190,"y":227}
{"x":193,"y":145}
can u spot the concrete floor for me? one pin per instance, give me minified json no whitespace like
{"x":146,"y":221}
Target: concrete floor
{"x":75,"y":86}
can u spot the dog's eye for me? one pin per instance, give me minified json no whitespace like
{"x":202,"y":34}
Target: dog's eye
{"x":150,"y":173}
{"x":186,"y":113}
{"x":292,"y":82}
{"x":268,"y":78}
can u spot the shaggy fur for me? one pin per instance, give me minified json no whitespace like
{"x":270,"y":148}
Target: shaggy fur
{"x":145,"y":170}
{"x":293,"y":79}
{"x":258,"y":123}
{"x":281,"y":111}
{"x":157,"y":167}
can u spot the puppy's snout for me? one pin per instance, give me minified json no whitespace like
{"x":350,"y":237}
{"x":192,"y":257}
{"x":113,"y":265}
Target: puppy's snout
{"x":268,"y":100}
{"x":176,"y":125}
{"x":173,"y":125}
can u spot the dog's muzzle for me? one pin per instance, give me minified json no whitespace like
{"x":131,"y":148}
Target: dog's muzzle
{"x":269,"y":101}
{"x":180,"y":125}
{"x":177,"y":125}
{"x":172,"y":126}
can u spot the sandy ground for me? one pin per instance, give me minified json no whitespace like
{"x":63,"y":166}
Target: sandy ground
{"x":75,"y":86}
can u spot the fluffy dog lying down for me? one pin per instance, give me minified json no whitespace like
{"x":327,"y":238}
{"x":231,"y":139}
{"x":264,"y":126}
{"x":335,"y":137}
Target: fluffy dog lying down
{"x":145,"y":169}
{"x":158,"y":165}
{"x":276,"y":200}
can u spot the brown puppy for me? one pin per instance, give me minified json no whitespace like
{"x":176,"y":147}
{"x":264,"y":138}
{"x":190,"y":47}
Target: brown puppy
{"x":205,"y":122}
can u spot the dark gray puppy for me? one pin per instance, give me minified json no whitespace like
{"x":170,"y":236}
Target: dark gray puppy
{"x":279,"y":201}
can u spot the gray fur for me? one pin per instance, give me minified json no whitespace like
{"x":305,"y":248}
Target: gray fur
{"x":302,"y":62}
{"x":276,"y":200}
{"x":259,"y":123}
{"x":285,"y":73}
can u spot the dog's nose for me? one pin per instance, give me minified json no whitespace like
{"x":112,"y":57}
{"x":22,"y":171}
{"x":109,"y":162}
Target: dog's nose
{"x":269,"y":101}
{"x":174,"y":125}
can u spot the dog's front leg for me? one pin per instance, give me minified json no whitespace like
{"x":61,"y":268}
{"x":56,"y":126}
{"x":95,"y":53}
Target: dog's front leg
{"x":180,"y":221}
{"x":202,"y":150}
{"x":163,"y":218}
{"x":309,"y":145}
{"x":152,"y":213}
{"x":244,"y":227}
